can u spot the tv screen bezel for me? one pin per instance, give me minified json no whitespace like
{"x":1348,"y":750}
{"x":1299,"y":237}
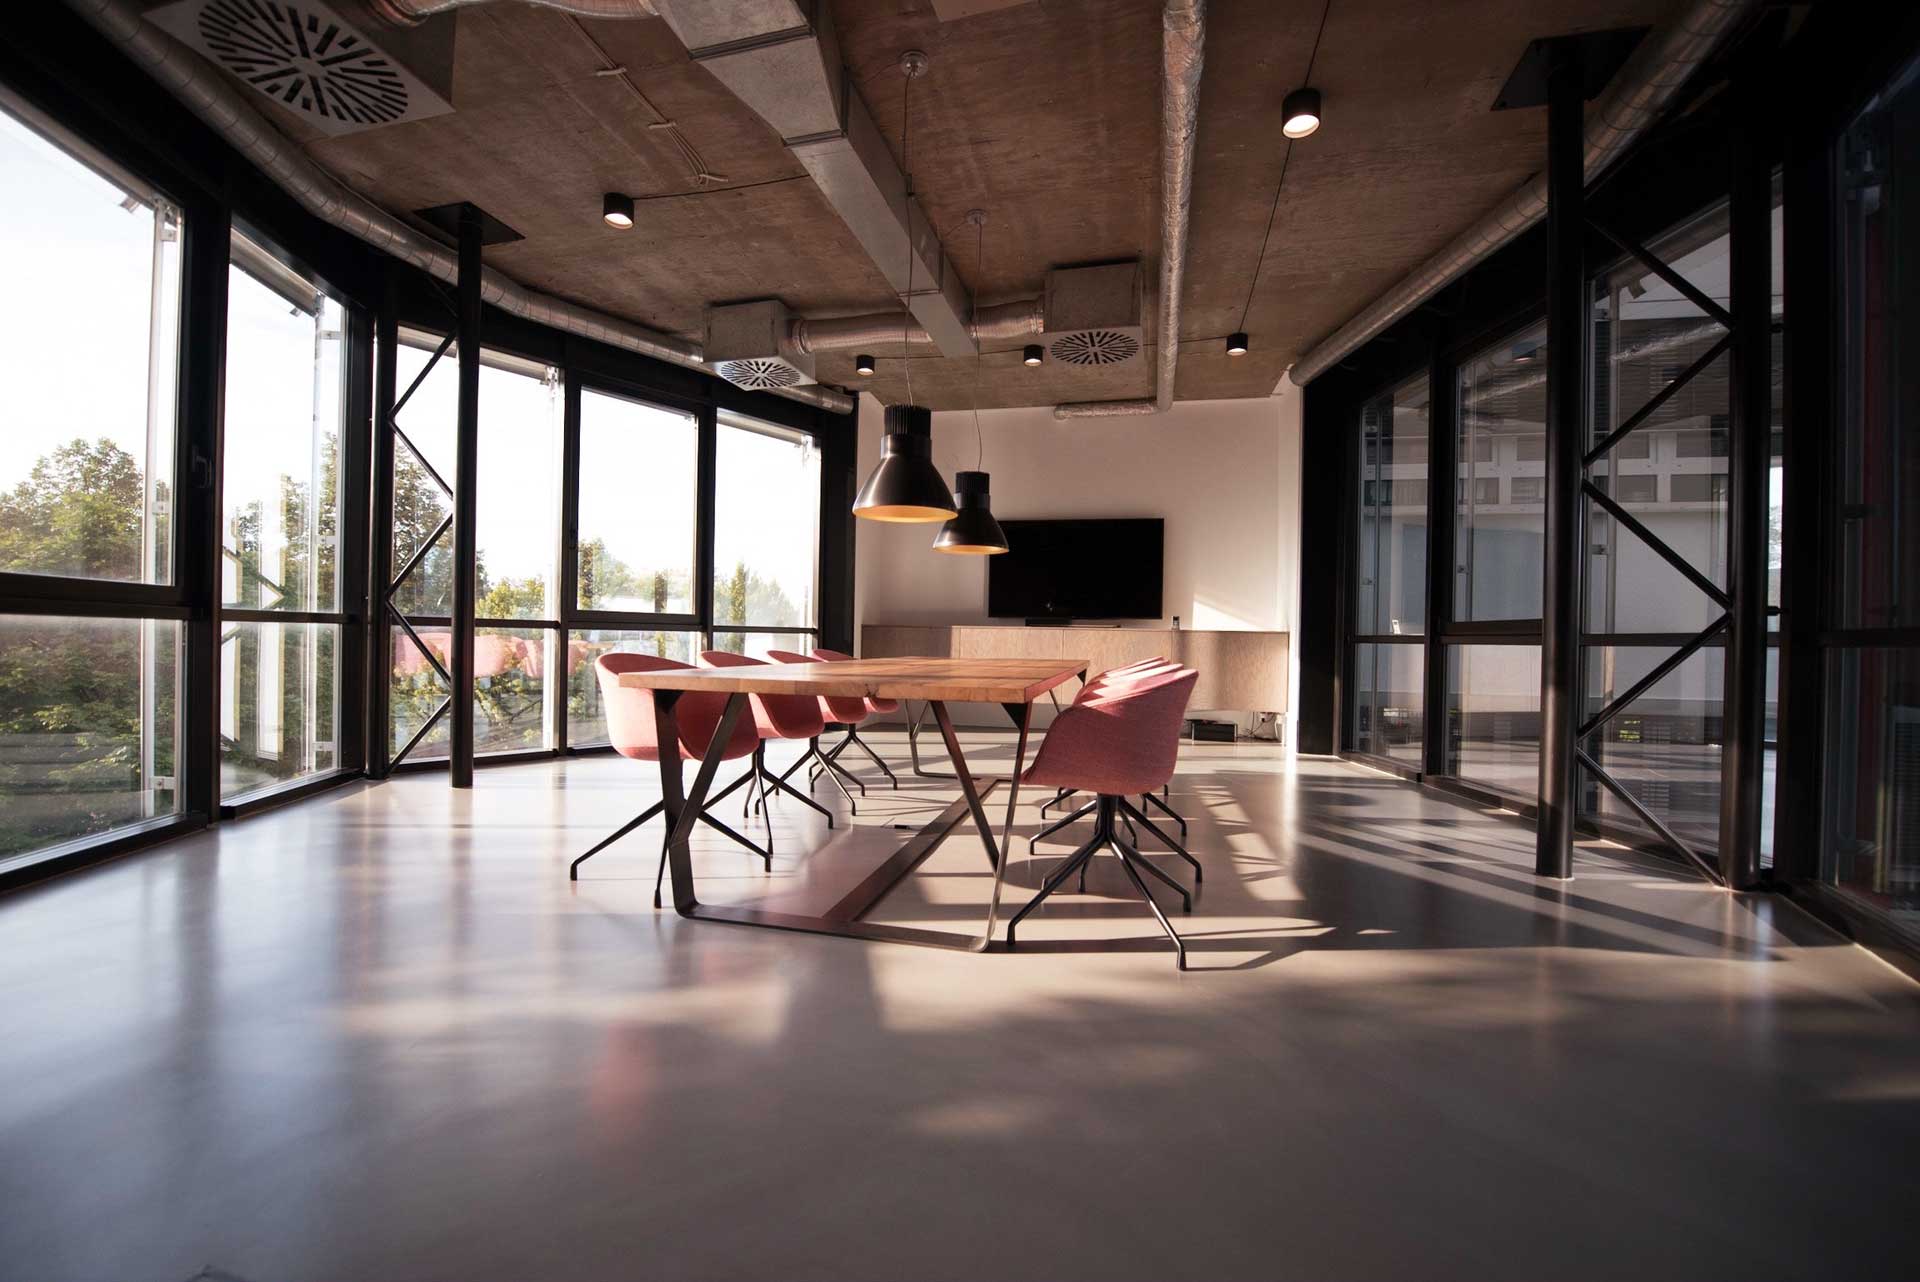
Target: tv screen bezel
{"x":1011,"y":526}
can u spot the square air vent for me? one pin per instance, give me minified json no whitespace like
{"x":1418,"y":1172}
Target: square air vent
{"x":747,"y":345}
{"x":305,"y":57}
{"x":1093,"y":314}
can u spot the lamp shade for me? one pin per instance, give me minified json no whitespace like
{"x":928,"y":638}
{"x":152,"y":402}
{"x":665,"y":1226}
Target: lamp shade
{"x":617,"y":210}
{"x":972,"y":531}
{"x":905,"y":485}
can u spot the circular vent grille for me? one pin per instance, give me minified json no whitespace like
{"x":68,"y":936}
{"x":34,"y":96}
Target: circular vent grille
{"x":305,"y":59}
{"x":759,"y":373}
{"x":1096,"y":347}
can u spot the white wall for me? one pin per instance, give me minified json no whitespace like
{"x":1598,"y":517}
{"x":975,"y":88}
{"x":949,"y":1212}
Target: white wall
{"x":1224,"y":475}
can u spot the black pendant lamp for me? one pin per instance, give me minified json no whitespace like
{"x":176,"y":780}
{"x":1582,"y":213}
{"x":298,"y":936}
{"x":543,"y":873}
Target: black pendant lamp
{"x":972,"y":531}
{"x":906,"y":486}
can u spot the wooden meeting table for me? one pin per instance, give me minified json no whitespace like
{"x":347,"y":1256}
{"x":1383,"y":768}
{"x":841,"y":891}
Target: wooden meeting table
{"x":1014,"y":684}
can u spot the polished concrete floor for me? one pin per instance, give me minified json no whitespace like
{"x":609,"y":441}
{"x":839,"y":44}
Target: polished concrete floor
{"x":379,"y":1036}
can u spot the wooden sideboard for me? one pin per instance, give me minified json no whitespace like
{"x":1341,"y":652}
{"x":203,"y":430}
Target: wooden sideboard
{"x":1239,"y":671}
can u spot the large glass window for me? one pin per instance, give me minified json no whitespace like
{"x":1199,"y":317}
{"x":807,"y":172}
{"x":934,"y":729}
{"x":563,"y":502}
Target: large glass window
{"x":586,"y":719}
{"x":1501,"y":410}
{"x":766,"y":529}
{"x":89,"y":345}
{"x":1390,"y":589}
{"x":518,"y":546}
{"x":639,"y":483}
{"x":280,"y":522}
{"x":1390,"y":574}
{"x":1870,"y":847}
{"x":1493,"y":713}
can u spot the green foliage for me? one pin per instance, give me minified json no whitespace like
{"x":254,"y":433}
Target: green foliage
{"x":77,"y":513}
{"x":70,"y":690}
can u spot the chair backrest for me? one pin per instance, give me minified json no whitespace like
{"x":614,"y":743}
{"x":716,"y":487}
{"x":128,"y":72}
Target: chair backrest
{"x":779,"y":716}
{"x":1124,"y":738}
{"x":843,"y":709}
{"x":630,"y":721}
{"x":1121,"y":675}
{"x":825,"y":655}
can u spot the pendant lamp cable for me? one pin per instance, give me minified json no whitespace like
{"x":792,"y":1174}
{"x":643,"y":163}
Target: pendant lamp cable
{"x":906,"y":218}
{"x":1285,"y":161}
{"x":979,"y":280}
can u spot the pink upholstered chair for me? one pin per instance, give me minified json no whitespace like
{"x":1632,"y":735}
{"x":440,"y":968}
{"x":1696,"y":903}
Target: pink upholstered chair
{"x":634,"y":734}
{"x":839,"y":710}
{"x":1106,"y":680}
{"x":874,"y":708}
{"x":1120,"y":740}
{"x":777,"y":716}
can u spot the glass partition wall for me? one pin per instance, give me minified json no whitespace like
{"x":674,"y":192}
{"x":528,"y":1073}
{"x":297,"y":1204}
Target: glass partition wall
{"x":1657,"y":429}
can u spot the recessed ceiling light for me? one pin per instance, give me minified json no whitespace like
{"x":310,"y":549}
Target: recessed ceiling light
{"x":617,"y":210}
{"x":1236,"y":344}
{"x":1034,"y":354}
{"x":863,"y":365}
{"x":1300,"y":113}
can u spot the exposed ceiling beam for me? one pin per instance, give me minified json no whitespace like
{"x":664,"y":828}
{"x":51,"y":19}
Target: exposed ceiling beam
{"x":781,"y":58}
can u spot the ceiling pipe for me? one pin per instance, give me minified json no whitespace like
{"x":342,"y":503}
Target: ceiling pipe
{"x":1005,"y":322}
{"x":1183,"y":48}
{"x":411,"y":13}
{"x":1641,"y":90}
{"x":210,"y":96}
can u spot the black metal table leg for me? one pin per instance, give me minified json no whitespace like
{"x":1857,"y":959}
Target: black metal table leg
{"x":683,"y":808}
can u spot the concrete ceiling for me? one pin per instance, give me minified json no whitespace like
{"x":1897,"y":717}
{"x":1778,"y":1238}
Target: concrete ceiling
{"x":1045,"y":114}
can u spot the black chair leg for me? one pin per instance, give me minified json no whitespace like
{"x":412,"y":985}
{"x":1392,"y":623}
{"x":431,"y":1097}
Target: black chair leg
{"x":834,"y":772}
{"x":1186,"y":900}
{"x":1058,"y":824}
{"x":766,"y":855}
{"x":854,"y":738}
{"x":781,"y":785}
{"x":1126,"y":863}
{"x":1169,"y":842}
{"x":1171,"y":812}
{"x":1054,"y":880}
{"x":573,"y":869}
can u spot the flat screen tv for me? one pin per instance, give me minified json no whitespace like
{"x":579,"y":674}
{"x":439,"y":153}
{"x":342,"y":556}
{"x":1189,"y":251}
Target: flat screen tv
{"x":1062,"y":570}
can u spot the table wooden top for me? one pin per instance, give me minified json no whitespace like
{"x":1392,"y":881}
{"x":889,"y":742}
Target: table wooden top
{"x":946,"y":680}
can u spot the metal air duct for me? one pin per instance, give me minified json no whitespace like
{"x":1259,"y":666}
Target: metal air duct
{"x":1183,"y":47}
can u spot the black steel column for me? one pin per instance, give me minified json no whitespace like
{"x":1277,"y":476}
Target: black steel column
{"x":466,"y":499}
{"x":1743,"y":733}
{"x":1566,"y":445}
{"x":386,"y":342}
{"x":1441,"y":446}
{"x":197,"y":509}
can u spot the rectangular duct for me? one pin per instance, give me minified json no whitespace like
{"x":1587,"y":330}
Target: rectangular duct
{"x":747,"y":345}
{"x":1095,"y":315}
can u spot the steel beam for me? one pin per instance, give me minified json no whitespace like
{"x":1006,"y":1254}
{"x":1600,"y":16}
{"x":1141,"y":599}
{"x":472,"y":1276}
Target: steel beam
{"x":1566,"y":450}
{"x":466,"y":532}
{"x":1743,"y":752}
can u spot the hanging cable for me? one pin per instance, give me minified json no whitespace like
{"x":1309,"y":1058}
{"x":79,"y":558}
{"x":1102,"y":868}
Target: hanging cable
{"x":906,"y":218}
{"x":979,"y":218}
{"x":1281,"y":186}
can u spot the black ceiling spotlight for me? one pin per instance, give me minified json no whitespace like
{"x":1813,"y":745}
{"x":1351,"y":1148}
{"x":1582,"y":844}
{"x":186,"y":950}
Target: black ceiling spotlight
{"x":617,"y":209}
{"x":1524,"y":352}
{"x":1237,"y":344}
{"x":1300,"y":113}
{"x":972,"y":531}
{"x":905,"y":485}
{"x":863,"y":365}
{"x":1034,"y":354}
